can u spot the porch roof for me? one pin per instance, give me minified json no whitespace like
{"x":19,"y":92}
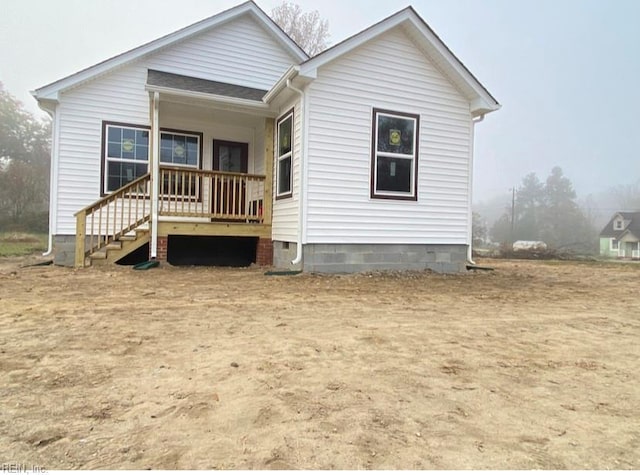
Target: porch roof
{"x":164,"y":80}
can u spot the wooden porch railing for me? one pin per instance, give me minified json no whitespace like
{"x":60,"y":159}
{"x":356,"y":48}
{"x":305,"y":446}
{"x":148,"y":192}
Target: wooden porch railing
{"x":109,"y":218}
{"x":211,"y":194}
{"x":183,"y":192}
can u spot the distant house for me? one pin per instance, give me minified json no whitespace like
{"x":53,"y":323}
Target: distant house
{"x":621,"y":236}
{"x":358,"y":158}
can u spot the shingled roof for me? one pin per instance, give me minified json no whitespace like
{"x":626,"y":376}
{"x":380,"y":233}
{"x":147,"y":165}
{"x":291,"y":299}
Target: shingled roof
{"x":632,"y":221}
{"x":187,"y":83}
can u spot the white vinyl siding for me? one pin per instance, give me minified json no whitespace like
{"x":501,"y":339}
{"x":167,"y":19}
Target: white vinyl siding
{"x":239,"y":52}
{"x":117,"y":97}
{"x":387,"y":73}
{"x":285,"y":211}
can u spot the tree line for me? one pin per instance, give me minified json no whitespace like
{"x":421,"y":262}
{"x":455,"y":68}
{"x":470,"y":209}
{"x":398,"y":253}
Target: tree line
{"x":25,"y":143}
{"x":546,"y":211}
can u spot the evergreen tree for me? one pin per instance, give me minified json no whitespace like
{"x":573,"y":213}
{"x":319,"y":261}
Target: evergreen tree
{"x":528,"y":201}
{"x":547,"y":212}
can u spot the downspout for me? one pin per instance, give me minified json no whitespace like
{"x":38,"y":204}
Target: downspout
{"x":470,"y":236}
{"x":53,"y":175}
{"x":301,"y":209}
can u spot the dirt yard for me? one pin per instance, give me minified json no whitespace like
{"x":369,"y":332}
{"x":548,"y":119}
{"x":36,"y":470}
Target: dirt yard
{"x":532,"y":366}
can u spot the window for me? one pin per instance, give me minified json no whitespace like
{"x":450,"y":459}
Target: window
{"x":284,"y":150}
{"x":615,"y":244}
{"x":618,"y":225}
{"x":126,"y":154}
{"x":394,"y":155}
{"x":180,"y":150}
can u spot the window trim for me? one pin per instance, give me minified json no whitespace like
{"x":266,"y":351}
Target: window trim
{"x":617,"y":248}
{"x":618,"y":224}
{"x":279,"y":158}
{"x":103,"y":151}
{"x":393,"y":195}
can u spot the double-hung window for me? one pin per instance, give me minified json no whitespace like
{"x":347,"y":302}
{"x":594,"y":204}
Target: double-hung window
{"x":394,"y":155}
{"x":126,"y":154}
{"x":284,"y":150}
{"x":181,"y":150}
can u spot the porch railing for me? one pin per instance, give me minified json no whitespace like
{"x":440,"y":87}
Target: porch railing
{"x":210,"y":194}
{"x":111,"y":217}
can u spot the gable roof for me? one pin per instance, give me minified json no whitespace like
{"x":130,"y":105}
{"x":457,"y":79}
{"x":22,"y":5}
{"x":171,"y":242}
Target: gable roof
{"x":51,"y":91}
{"x":633,"y":226}
{"x":481,"y":100}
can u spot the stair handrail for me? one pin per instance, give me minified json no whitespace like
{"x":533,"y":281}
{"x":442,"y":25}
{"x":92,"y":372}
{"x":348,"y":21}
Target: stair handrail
{"x":131,"y":195}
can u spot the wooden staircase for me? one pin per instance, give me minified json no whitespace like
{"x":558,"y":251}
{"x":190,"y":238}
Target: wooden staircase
{"x":115,"y":225}
{"x":116,"y":250}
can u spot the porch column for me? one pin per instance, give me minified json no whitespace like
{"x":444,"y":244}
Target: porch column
{"x":154,"y":164}
{"x":268,"y":170}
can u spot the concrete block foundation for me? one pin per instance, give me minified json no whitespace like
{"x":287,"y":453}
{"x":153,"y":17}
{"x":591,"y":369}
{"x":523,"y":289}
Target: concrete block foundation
{"x":283,"y":254}
{"x":64,"y":250}
{"x":348,"y":258}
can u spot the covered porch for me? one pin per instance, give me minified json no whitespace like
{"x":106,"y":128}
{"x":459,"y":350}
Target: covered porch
{"x":210,"y":172}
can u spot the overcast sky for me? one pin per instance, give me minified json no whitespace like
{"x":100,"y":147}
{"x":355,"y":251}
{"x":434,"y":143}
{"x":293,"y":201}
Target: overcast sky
{"x":567,"y":72}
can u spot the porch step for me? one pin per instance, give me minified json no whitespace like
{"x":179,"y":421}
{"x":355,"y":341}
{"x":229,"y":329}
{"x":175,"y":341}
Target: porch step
{"x":116,"y":250}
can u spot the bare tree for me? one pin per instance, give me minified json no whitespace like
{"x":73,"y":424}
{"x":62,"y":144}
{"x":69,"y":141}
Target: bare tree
{"x":307,"y":29}
{"x":24,"y":166}
{"x":627,"y":196}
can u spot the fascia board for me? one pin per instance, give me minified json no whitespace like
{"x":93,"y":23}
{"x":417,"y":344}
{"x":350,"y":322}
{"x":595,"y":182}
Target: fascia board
{"x":51,"y":91}
{"x":280,"y":83}
{"x":285,"y":40}
{"x":310,"y":67}
{"x":481,"y":104}
{"x":455,"y":67}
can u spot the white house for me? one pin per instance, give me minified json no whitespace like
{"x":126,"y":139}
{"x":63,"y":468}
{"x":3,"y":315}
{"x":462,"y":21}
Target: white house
{"x":358,"y":158}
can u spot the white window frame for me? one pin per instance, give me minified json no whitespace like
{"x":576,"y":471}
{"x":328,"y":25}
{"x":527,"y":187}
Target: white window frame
{"x":617,"y":247}
{"x":618,"y":225}
{"x":106,"y":158}
{"x":285,"y":156}
{"x":411,"y":195}
{"x":199,"y":137}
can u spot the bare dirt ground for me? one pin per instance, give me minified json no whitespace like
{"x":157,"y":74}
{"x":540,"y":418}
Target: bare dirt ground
{"x":534,"y":365}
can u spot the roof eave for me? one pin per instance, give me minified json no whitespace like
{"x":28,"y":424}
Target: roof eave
{"x":228,"y":100}
{"x":51,"y":91}
{"x":481,"y":106}
{"x":482,"y":102}
{"x":281,"y":83}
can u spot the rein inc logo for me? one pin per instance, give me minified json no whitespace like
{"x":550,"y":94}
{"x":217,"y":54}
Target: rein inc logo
{"x":21,"y":468}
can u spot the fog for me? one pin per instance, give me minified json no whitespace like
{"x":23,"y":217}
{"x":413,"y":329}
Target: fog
{"x":566,"y":72}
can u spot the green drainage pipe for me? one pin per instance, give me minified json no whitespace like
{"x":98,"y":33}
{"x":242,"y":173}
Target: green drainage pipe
{"x":146,"y":265}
